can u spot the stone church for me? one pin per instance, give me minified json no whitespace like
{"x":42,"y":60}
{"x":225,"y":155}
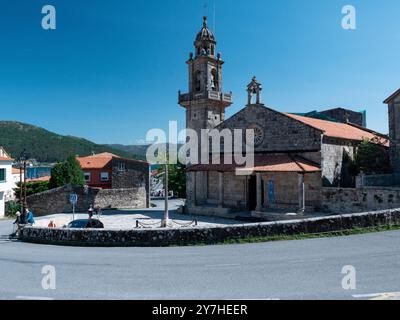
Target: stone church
{"x":295,"y":156}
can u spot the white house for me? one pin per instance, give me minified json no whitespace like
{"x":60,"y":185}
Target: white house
{"x":6,"y":180}
{"x":16,"y":178}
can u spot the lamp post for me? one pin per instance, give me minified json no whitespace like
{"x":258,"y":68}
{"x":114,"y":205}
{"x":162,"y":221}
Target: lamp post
{"x":164,"y":222}
{"x":22,"y":189}
{"x":163,"y":158}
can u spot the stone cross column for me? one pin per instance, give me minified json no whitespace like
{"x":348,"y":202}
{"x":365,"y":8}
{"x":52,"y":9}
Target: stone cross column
{"x":221,"y":189}
{"x":259,"y":195}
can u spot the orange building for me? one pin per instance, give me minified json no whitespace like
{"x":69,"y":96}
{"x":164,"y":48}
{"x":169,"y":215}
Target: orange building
{"x":109,"y":171}
{"x":97,"y":170}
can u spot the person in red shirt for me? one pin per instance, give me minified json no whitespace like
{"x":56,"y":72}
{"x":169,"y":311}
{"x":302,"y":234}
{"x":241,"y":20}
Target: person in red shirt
{"x":52,"y":224}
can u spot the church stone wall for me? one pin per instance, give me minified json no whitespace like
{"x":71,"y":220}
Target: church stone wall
{"x":334,"y":153}
{"x":281,"y":133}
{"x":234,"y":191}
{"x":213,"y":190}
{"x":286,"y":189}
{"x":394,"y":134}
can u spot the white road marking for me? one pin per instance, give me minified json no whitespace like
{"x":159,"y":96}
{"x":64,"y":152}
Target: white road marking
{"x":261,"y":299}
{"x":33,"y":298}
{"x":222,"y":265}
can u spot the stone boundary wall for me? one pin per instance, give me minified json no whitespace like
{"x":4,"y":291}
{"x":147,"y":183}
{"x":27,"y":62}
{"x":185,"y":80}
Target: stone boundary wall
{"x":376,"y":180}
{"x":192,"y":236}
{"x":342,"y":200}
{"x":57,"y":200}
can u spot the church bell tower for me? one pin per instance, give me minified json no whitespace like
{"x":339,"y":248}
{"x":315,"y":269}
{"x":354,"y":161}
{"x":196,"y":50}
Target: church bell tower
{"x":205,"y":102}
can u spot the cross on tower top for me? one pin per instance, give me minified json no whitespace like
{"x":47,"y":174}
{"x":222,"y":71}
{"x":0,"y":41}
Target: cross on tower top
{"x":254,"y":88}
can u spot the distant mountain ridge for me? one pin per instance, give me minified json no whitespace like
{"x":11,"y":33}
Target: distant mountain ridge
{"x":139,"y":150}
{"x":47,"y":146}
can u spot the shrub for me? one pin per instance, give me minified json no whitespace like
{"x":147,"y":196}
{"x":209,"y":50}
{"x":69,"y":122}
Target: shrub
{"x":11,"y":208}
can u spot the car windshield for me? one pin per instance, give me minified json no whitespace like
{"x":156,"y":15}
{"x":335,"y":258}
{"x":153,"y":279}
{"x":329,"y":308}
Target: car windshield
{"x":77,"y":224}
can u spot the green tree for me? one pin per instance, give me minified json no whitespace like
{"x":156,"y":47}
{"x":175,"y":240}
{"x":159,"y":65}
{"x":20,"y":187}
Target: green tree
{"x":57,"y":176}
{"x":68,"y":172}
{"x":176,"y":178}
{"x":32,"y":188}
{"x":371,"y":158}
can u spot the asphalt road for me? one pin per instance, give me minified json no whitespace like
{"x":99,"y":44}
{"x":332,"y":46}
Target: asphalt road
{"x":306,"y":269}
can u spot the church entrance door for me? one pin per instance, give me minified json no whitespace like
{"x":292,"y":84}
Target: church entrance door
{"x":252,"y":193}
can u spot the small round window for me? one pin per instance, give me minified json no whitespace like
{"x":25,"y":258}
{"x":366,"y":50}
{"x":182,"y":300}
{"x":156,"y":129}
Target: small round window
{"x":258,"y":134}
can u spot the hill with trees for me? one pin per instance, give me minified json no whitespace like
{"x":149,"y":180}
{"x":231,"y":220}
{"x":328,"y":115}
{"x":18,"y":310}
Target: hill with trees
{"x":49,"y":147}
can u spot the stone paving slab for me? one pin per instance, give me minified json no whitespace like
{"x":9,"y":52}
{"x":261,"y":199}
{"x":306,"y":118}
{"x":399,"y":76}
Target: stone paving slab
{"x":148,"y":218}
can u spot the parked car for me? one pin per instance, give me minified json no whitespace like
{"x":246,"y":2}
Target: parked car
{"x":86,"y":224}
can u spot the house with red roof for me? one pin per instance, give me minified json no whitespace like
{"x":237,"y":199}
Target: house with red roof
{"x":109,"y":171}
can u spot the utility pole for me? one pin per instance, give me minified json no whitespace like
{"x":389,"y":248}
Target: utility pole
{"x":22,"y":188}
{"x":164,"y":223}
{"x":25,"y":204}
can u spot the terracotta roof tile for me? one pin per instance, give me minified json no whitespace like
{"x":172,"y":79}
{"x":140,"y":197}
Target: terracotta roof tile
{"x":41,"y":179}
{"x":97,"y":161}
{"x":101,"y":160}
{"x":340,"y":130}
{"x":265,"y":163}
{"x":4,"y":155}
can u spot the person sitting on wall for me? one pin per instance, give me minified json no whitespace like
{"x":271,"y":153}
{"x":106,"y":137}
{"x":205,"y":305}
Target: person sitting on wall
{"x":19,"y":224}
{"x":29,"y":217}
{"x":52,"y":224}
{"x":90,"y":211}
{"x":18,"y":221}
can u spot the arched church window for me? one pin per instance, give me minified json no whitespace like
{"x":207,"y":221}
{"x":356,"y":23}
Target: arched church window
{"x":214,"y":80}
{"x":197,"y":81}
{"x":254,"y":96}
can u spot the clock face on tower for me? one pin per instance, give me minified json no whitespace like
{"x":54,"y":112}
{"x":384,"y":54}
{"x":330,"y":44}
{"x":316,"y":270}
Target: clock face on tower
{"x":258,"y":134}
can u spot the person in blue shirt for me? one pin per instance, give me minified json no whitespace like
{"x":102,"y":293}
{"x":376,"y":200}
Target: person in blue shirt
{"x":29,"y":217}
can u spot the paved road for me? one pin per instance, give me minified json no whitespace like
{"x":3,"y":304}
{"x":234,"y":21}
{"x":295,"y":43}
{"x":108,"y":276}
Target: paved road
{"x":307,"y":269}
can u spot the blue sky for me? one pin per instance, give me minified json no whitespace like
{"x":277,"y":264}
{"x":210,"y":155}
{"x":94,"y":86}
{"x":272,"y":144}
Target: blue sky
{"x":112,"y":69}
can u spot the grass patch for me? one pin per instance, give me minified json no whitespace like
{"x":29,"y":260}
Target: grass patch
{"x":303,"y":236}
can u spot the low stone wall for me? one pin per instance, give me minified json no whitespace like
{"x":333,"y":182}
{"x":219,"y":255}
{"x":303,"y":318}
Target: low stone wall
{"x":340,"y":200}
{"x":57,"y":200}
{"x":167,"y":237}
{"x":376,"y":180}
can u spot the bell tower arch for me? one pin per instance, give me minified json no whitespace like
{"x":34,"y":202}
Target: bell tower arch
{"x":205,"y":103}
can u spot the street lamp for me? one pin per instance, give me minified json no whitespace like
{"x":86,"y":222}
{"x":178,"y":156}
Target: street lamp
{"x":163,"y":159}
{"x":164,"y":222}
{"x":22,"y":188}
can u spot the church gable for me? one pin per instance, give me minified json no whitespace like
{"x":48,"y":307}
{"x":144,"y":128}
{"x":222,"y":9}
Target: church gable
{"x":274,"y":131}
